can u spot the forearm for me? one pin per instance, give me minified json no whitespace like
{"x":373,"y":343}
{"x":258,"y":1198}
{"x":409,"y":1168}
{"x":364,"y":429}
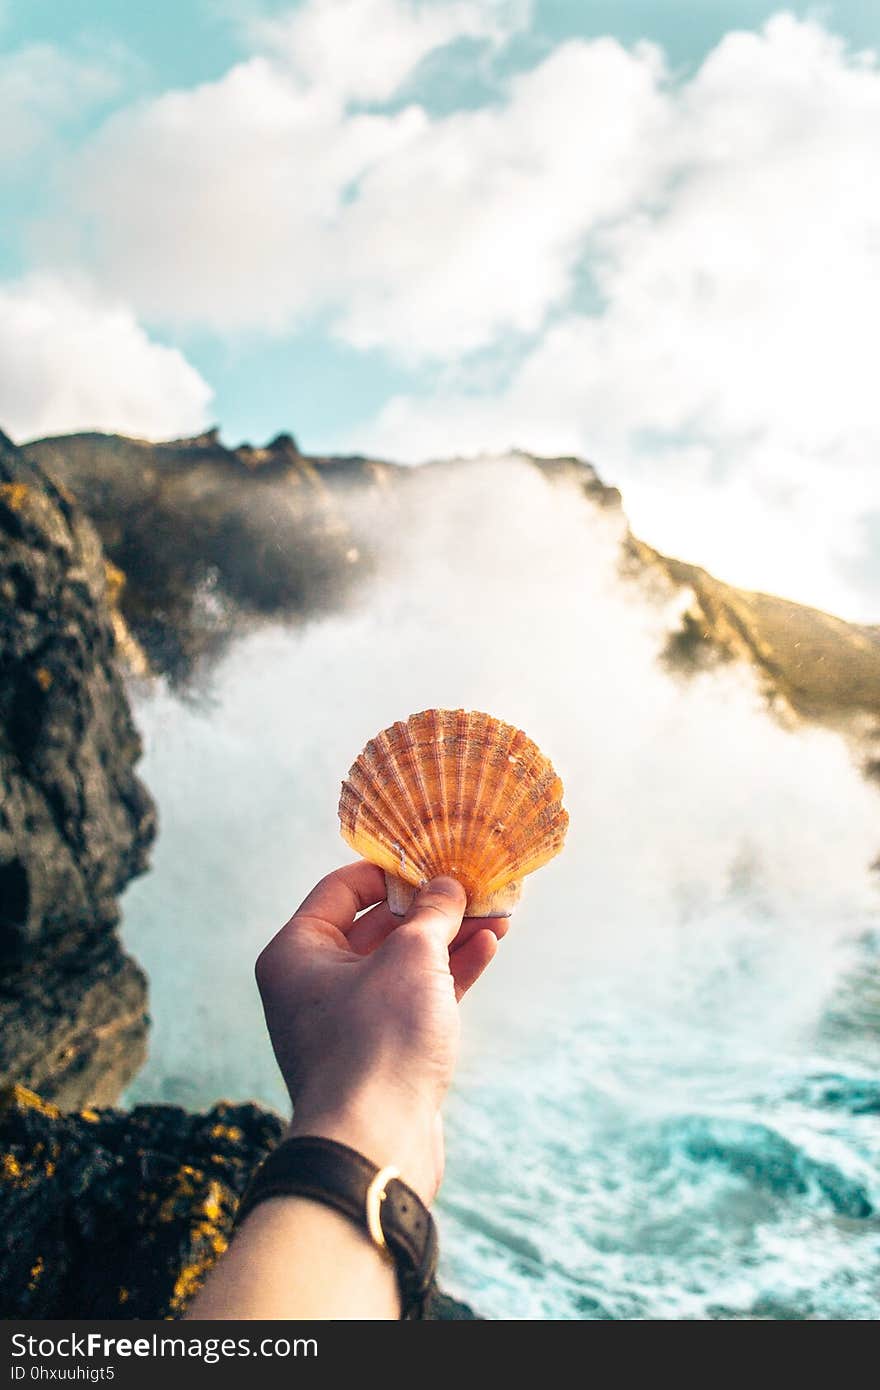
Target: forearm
{"x":362,"y":1011}
{"x":297,"y":1259}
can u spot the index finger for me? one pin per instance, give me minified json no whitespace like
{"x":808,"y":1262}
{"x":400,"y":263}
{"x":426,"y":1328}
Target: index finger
{"x":342,"y":894}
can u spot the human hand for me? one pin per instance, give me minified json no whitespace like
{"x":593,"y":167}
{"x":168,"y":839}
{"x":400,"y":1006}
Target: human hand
{"x":363,"y":1015}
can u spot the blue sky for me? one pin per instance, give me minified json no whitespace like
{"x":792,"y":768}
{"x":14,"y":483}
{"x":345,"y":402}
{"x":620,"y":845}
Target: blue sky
{"x":645,"y":232}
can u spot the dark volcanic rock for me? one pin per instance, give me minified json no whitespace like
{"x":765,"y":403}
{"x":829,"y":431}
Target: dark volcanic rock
{"x":582,"y":474}
{"x":208,"y":538}
{"x":108,"y":1214}
{"x":121,"y":1215}
{"x":75,"y":821}
{"x":73,"y":1020}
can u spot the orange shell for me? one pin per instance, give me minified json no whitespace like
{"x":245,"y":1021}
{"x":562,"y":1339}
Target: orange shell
{"x":458,"y":793}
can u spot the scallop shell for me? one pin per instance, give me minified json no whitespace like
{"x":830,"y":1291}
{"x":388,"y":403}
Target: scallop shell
{"x":459,"y":793}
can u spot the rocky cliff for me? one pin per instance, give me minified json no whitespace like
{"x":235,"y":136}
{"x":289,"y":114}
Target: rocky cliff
{"x":823,"y":668}
{"x":209,"y":536}
{"x":103,"y":1213}
{"x":75,"y":821}
{"x":212,"y":539}
{"x":108,"y":1214}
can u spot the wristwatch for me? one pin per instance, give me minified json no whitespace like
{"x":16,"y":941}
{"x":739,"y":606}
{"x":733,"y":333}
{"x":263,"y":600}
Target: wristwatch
{"x":389,"y":1213}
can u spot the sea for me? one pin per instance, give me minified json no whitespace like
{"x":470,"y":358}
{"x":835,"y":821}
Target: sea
{"x":668,"y":1101}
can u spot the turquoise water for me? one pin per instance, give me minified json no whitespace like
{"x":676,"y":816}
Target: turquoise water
{"x":668,"y":1103}
{"x":620,"y":1175}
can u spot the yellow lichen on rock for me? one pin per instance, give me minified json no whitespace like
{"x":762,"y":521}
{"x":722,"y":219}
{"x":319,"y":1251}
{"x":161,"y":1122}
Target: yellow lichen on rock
{"x":114,"y":578}
{"x":184,"y":1189}
{"x":18,"y":1097}
{"x":203,"y":1203}
{"x":212,"y":1239}
{"x":132,"y":652}
{"x":12,"y":1170}
{"x":230,"y":1132}
{"x":41,"y":1157}
{"x":14,"y":495}
{"x":191,"y":1277}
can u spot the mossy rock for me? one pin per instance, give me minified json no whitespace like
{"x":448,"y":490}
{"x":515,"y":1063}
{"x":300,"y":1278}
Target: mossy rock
{"x":121,"y":1214}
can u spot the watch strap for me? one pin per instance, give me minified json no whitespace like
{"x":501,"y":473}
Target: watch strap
{"x":341,"y":1178}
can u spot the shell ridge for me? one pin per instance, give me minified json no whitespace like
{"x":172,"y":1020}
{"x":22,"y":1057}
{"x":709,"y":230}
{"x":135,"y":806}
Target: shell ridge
{"x":364,"y":809}
{"x":465,"y":775}
{"x":396,"y":819}
{"x":538,"y":854}
{"x":433,"y":763}
{"x":379,"y":830}
{"x":418,"y":826}
{"x":541,"y":854}
{"x":502,"y":771}
{"x":424,"y":746}
{"x":544,"y":806}
{"x":462,"y":724}
{"x":485,"y":787}
{"x":475,"y":767}
{"x":414,"y":833}
{"x":454,"y":791}
{"x":534,"y":782}
{"x":441,"y":752}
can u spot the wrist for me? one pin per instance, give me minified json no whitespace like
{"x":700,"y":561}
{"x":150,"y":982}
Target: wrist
{"x":387,"y":1218}
{"x":386,"y":1131}
{"x":342,"y":1259}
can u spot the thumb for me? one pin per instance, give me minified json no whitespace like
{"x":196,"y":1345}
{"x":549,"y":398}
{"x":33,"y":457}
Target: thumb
{"x":437,"y":910}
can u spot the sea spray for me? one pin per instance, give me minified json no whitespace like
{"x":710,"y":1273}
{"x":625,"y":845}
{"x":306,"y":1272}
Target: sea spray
{"x":675,"y":961}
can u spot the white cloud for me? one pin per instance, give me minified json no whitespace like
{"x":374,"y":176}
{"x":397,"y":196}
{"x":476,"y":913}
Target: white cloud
{"x":364,"y":50}
{"x":728,"y":382}
{"x":271,"y":194}
{"x":728,"y":223}
{"x":475,"y":226}
{"x":218,"y":205}
{"x":70,"y":360}
{"x":40,"y":88}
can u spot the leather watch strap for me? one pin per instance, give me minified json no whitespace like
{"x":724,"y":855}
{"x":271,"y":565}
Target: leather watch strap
{"x":340,"y":1177}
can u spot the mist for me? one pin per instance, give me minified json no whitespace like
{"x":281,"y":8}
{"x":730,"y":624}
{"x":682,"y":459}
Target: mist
{"x":712,"y":895}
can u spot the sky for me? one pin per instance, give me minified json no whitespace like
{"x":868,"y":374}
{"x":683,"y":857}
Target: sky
{"x":644,"y":233}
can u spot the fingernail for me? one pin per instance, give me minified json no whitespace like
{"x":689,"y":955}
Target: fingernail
{"x":448,"y":887}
